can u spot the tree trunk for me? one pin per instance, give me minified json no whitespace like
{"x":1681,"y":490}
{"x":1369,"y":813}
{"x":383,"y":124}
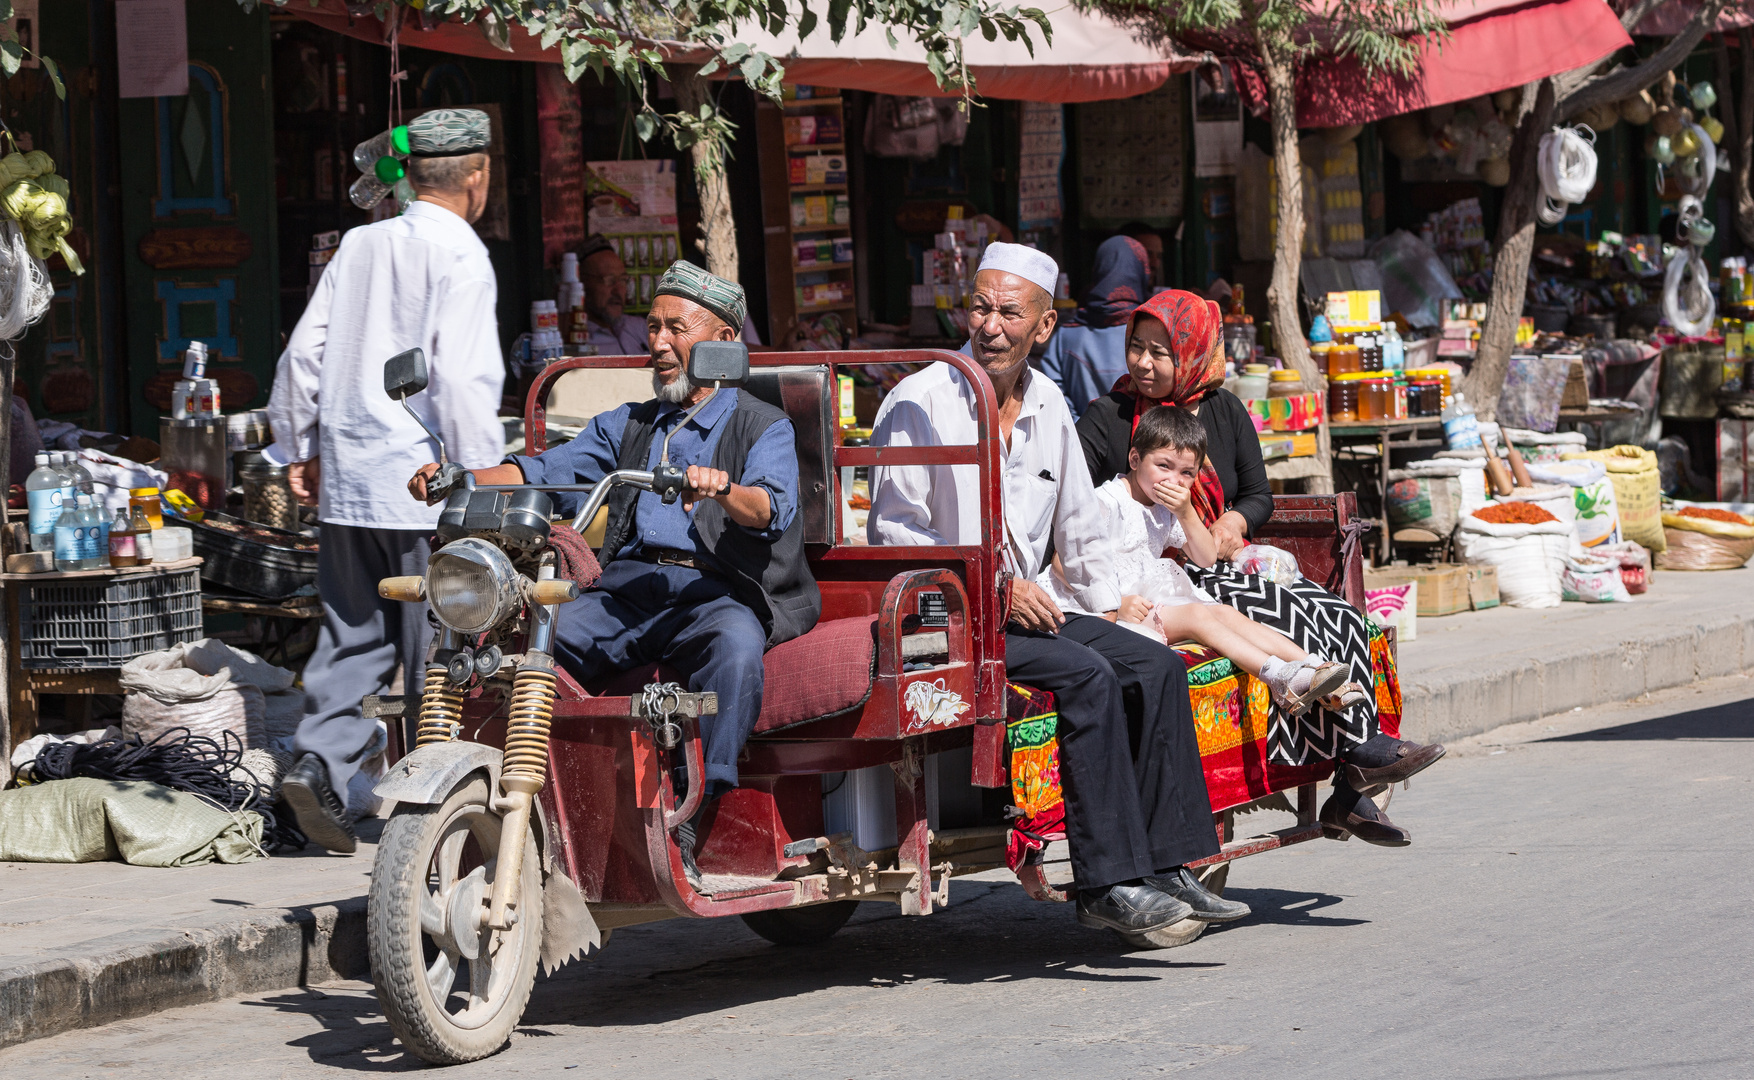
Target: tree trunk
{"x":1282,"y":293}
{"x":1510,"y":267}
{"x":718,"y":229}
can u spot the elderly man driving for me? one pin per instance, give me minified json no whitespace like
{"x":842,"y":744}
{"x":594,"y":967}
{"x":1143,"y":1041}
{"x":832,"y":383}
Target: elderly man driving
{"x":704,"y":585}
{"x":1136,"y":804}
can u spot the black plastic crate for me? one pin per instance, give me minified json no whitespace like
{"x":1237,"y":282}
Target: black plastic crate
{"x":243,"y":565}
{"x":104,"y":622}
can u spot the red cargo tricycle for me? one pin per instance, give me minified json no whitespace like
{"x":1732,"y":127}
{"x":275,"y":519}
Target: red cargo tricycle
{"x":535,"y":815}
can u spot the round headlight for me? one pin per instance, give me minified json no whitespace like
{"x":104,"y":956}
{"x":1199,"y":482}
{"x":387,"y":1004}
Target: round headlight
{"x":471,"y":586}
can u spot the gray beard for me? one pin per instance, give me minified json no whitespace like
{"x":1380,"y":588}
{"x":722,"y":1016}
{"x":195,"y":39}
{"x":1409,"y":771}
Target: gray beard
{"x":675,"y":393}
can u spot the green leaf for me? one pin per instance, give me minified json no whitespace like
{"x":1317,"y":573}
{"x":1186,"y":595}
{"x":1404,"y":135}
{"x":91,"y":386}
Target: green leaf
{"x":54,"y":71}
{"x":752,"y":68}
{"x":806,"y":23}
{"x":709,"y":67}
{"x":971,"y":19}
{"x":11,"y":55}
{"x":645,"y":125}
{"x":550,"y":36}
{"x":5,"y":9}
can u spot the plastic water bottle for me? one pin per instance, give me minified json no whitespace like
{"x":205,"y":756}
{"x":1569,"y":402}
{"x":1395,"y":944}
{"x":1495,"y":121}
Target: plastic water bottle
{"x":77,"y":473}
{"x":1460,"y":427}
{"x":1394,"y":350}
{"x":94,"y":528}
{"x":43,"y":491}
{"x":69,"y":538}
{"x":387,"y":143}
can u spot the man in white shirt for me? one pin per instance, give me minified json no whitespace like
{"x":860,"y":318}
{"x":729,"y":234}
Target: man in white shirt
{"x":420,"y":279}
{"x":1134,"y":819}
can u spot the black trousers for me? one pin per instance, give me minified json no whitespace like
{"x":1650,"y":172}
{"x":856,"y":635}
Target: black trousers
{"x":1130,"y":767}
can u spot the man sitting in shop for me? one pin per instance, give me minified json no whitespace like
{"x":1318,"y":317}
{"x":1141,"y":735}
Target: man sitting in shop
{"x":704,"y":585}
{"x":604,"y":276}
{"x":1136,"y":806}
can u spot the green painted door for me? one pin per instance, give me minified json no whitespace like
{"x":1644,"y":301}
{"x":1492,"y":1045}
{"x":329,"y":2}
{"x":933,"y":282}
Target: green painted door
{"x":198,"y":231}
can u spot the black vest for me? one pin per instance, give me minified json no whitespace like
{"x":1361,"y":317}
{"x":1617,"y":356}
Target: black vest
{"x":772,"y":578}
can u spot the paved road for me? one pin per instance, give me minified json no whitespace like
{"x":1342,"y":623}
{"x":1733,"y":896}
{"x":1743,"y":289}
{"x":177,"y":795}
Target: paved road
{"x":1576,"y":904}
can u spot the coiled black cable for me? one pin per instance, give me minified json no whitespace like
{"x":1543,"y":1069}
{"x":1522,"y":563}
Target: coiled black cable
{"x":178,"y":759}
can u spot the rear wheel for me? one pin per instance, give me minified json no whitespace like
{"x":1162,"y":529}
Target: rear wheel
{"x":802,"y":926}
{"x":1181,"y":933}
{"x":452,"y":989}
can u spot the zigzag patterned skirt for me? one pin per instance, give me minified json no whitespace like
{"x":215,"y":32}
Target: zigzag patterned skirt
{"x":1324,"y":625}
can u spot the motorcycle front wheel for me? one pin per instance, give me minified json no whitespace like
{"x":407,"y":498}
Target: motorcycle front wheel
{"x":452,"y":989}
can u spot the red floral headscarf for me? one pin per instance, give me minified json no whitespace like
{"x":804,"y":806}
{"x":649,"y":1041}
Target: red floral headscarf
{"x":1196,"y":337}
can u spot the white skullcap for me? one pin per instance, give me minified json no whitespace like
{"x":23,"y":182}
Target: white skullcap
{"x":1026,"y":262}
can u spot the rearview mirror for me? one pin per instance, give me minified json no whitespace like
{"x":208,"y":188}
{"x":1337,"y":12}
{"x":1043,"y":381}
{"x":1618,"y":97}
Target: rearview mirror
{"x":405,"y":374}
{"x":718,"y":361}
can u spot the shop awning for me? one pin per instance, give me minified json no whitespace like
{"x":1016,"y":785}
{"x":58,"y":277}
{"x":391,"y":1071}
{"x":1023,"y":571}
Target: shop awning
{"x":1493,"y":45}
{"x":1091,"y":59}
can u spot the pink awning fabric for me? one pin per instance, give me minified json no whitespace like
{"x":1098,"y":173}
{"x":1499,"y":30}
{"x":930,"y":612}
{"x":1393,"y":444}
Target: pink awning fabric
{"x":1494,"y":45}
{"x":1091,"y":59}
{"x":1668,"y":19}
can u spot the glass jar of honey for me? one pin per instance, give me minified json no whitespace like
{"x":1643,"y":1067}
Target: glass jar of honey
{"x":1343,"y":400}
{"x":1343,"y":360}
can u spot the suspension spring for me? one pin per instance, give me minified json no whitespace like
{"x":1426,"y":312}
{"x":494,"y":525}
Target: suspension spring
{"x":441,"y":709}
{"x":526,"y":737}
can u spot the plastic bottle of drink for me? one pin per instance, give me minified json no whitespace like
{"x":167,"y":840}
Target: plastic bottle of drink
{"x":376,"y":182}
{"x":1394,"y":350}
{"x":78,"y":473}
{"x":392,"y":141}
{"x":1460,"y":427}
{"x":69,"y":538}
{"x":42,"y":490}
{"x":96,"y":528}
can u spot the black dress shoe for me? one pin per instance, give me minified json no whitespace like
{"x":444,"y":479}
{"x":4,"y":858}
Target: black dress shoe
{"x":321,"y":814}
{"x":685,"y":842}
{"x":1381,"y":761}
{"x":1207,"y":905}
{"x":1131,"y":909}
{"x":1349,"y":813}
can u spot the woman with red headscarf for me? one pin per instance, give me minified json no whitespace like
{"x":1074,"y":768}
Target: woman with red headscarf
{"x":1175,"y":357}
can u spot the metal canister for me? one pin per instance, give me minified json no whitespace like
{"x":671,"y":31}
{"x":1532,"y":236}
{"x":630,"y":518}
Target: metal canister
{"x":267,"y":491}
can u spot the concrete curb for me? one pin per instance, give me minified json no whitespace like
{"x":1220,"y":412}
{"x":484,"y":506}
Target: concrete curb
{"x":139,"y":973}
{"x":1457,"y":701}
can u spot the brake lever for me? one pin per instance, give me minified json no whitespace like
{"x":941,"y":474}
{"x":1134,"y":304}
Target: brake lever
{"x":447,"y":480}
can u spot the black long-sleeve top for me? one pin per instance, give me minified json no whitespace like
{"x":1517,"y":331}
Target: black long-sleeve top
{"x":1106,"y":430}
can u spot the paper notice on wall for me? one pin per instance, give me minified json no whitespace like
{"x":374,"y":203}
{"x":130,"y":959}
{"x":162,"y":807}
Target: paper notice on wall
{"x":1040,"y":155}
{"x":152,"y":48}
{"x":1217,"y":122}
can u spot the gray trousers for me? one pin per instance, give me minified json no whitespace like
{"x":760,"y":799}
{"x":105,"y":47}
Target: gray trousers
{"x":362,"y":639}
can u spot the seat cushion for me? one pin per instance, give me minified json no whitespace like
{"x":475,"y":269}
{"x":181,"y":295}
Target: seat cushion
{"x":824,"y":672}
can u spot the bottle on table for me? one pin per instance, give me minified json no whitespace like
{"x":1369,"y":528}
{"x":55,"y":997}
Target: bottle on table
{"x":1394,"y":350}
{"x":148,"y":502}
{"x":142,"y":526}
{"x":1460,"y":426}
{"x":69,"y":538}
{"x":95,"y":546}
{"x":80,"y":475}
{"x":44,"y":490}
{"x":123,"y":549}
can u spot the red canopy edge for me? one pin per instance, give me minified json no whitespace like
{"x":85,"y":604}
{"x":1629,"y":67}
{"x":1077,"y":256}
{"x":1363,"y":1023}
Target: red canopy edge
{"x":1052,"y":83}
{"x":1499,"y":50}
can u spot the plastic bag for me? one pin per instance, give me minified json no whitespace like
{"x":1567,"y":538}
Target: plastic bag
{"x":1634,"y":563}
{"x":1637,"y":491}
{"x":1592,"y":579}
{"x":1268,"y":563}
{"x":1166,"y":584}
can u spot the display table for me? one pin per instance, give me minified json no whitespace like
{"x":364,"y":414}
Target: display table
{"x":1384,"y":437}
{"x":25,"y":684}
{"x":280,"y":619}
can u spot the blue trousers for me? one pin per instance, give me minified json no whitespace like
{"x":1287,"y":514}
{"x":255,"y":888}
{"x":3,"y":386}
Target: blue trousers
{"x":642,"y":613}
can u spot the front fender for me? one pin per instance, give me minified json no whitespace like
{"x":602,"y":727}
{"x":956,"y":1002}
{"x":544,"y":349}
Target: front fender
{"x":426,"y":776}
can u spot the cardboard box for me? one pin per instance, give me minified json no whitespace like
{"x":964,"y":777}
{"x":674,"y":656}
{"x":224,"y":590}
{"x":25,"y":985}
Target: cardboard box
{"x":1444,"y":588}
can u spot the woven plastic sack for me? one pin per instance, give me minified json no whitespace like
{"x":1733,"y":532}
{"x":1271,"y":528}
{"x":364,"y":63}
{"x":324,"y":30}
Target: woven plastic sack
{"x":206,"y":686}
{"x":1598,"y":515}
{"x":1592,"y":579}
{"x":1528,"y":558}
{"x":1703,"y":544}
{"x":88,"y":820}
{"x":1638,"y":493}
{"x":1541,"y":447}
{"x":1429,"y":499}
{"x":1634,"y":562}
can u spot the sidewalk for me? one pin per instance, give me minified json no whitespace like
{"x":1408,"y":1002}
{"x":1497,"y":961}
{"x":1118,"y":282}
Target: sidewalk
{"x":1474,"y":671}
{"x":94,"y":943}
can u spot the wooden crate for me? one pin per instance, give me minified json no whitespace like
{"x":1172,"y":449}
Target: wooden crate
{"x":1444,"y":588}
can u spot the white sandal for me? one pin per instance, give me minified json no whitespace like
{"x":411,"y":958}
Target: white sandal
{"x":1294,"y":685}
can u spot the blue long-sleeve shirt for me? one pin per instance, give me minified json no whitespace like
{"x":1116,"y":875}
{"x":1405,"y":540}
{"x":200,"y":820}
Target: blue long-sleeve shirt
{"x":1085,"y":362}
{"x":772,"y":464}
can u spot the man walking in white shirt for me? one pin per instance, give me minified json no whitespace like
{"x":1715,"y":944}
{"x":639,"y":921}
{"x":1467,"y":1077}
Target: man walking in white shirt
{"x":422,"y":279}
{"x":1136,"y":804}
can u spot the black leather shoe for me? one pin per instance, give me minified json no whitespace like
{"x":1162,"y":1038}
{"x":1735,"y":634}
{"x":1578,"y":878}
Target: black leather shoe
{"x":1348,"y":813}
{"x":1207,"y":905}
{"x":685,"y":841}
{"x":1382,"y":761}
{"x":1131,"y":909}
{"x":321,"y":814}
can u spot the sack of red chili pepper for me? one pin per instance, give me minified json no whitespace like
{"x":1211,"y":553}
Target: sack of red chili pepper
{"x":1706,"y":538}
{"x":1528,"y":550}
{"x":1514,"y":513}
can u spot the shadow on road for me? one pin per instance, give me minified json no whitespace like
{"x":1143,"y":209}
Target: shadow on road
{"x":1734,"y":720}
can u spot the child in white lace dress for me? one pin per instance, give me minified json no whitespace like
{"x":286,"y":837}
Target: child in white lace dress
{"x":1150,"y":509}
